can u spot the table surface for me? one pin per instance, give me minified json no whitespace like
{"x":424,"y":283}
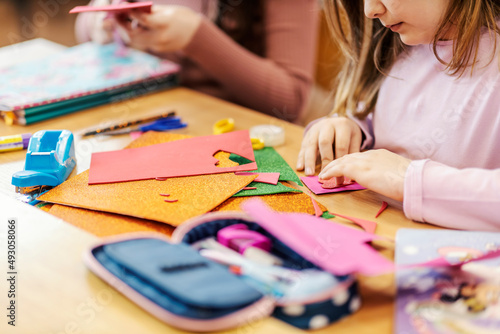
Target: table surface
{"x":57,"y":294}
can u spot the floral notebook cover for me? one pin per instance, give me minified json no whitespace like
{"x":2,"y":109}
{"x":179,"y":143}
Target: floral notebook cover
{"x":448,"y":299}
{"x":77,"y":71}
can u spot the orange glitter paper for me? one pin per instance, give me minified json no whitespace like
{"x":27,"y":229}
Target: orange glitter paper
{"x":196,"y":194}
{"x":103,"y":224}
{"x":285,"y":202}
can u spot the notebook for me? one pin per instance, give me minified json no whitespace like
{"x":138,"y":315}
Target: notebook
{"x":447,"y":299}
{"x":79,"y":77}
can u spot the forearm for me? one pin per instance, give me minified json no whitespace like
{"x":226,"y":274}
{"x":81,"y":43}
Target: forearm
{"x":457,"y":198}
{"x":278,"y":84}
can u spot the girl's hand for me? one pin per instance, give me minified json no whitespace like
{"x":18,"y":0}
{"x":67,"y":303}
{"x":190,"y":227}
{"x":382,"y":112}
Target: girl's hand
{"x":378,"y":170}
{"x":334,"y":137}
{"x":165,"y":29}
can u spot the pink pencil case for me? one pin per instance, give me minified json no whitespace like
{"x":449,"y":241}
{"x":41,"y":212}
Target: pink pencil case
{"x":173,"y":282}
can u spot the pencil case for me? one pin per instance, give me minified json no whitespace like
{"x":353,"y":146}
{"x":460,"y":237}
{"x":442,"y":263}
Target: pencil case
{"x":171,"y":280}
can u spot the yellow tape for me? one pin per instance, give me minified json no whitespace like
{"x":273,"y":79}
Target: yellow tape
{"x":223,"y":126}
{"x":257,"y":143}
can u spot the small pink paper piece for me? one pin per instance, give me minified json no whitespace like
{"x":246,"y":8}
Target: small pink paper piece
{"x":186,"y":157}
{"x":382,"y":208}
{"x":317,"y":210}
{"x":332,"y":183}
{"x":136,"y":134}
{"x":312,"y":182}
{"x":124,"y":6}
{"x":443,"y":262}
{"x":338,"y":249}
{"x":166,"y":195}
{"x":171,"y":200}
{"x":270,"y":178}
{"x":367,"y":225}
{"x":249,"y":188}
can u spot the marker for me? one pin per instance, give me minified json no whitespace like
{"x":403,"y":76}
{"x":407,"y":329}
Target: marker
{"x":14,"y":143}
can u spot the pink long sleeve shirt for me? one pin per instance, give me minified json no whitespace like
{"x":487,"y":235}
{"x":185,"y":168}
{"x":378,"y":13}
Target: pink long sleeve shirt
{"x":450,"y":128}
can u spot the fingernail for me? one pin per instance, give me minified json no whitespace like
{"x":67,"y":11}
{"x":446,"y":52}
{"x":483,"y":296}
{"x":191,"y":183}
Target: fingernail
{"x":309,"y":171}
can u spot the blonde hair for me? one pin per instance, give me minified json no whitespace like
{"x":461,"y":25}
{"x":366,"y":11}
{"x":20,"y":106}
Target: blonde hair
{"x":371,"y":49}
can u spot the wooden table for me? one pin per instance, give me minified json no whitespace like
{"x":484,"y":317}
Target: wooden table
{"x":57,"y":294}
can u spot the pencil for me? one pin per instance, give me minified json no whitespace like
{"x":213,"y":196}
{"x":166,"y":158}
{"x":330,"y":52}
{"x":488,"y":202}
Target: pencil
{"x":129,"y":123}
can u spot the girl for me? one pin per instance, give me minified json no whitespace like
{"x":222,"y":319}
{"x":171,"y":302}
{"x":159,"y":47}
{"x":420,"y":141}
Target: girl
{"x":420,"y":89}
{"x":259,"y":54}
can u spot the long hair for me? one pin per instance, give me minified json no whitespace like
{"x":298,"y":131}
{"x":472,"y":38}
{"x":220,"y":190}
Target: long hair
{"x":371,"y":49}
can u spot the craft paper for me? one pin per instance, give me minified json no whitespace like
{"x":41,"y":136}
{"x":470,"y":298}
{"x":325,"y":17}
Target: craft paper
{"x":266,"y":189}
{"x":338,"y":249}
{"x":287,"y":202}
{"x":188,"y":157}
{"x":382,"y":208}
{"x":103,"y":224}
{"x":269,"y":161}
{"x":196,"y":195}
{"x":444,"y":262}
{"x":270,"y":178}
{"x":312,"y":183}
{"x":145,"y":6}
{"x":367,"y":225}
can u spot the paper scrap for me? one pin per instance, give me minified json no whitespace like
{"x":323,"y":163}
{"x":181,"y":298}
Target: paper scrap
{"x":338,"y":249}
{"x":266,"y":189}
{"x":188,"y":157}
{"x":367,"y":225}
{"x":124,"y":6}
{"x":382,"y":208}
{"x":315,"y":186}
{"x":270,"y":178}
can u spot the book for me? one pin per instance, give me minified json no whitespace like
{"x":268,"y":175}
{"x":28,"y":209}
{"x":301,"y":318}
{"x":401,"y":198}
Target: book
{"x":447,"y":298}
{"x":79,"y":77}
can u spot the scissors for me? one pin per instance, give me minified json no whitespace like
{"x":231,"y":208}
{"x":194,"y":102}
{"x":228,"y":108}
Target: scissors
{"x":163,"y":124}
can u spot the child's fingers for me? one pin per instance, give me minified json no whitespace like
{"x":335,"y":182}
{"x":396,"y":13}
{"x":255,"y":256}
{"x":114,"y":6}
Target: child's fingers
{"x":342,"y":141}
{"x":355,"y":144}
{"x":325,"y":144}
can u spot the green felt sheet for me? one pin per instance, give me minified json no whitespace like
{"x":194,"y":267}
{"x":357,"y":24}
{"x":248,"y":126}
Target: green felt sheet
{"x":269,"y":161}
{"x":265,"y":189}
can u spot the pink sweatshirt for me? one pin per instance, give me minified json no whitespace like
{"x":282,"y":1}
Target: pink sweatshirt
{"x":450,"y":128}
{"x":277,"y":85}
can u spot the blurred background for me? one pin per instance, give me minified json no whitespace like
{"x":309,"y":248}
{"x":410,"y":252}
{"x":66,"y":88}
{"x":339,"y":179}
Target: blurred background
{"x":22,"y":20}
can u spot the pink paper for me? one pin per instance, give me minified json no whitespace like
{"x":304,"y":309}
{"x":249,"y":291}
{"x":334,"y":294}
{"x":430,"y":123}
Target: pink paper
{"x":338,"y":249}
{"x":382,"y":208}
{"x":443,"y":262}
{"x":312,"y":183}
{"x":367,"y":225}
{"x":270,"y":178}
{"x":186,"y":157}
{"x":146,"y":6}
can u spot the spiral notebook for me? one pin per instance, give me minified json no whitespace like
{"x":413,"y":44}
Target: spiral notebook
{"x":77,"y":78}
{"x":447,"y":299}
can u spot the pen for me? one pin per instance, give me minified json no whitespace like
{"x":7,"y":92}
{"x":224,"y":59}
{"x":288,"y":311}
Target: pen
{"x":13,"y":143}
{"x":127,"y":124}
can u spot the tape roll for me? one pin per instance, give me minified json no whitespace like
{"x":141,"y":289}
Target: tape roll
{"x":272,"y":135}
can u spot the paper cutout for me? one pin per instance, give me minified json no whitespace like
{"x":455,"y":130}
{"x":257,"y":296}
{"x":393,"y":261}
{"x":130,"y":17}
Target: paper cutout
{"x":266,"y":189}
{"x":332,"y":182}
{"x":338,"y":249}
{"x":312,"y":183}
{"x":269,"y":161}
{"x":196,"y":194}
{"x":103,"y":224}
{"x":367,"y":225}
{"x":382,"y":208}
{"x":270,"y":178}
{"x":192,"y":156}
{"x":249,"y":188}
{"x":317,"y":211}
{"x":124,"y":6}
{"x":286,"y":202}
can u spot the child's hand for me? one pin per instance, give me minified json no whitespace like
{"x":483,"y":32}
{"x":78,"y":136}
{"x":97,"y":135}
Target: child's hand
{"x":340,"y":133}
{"x":378,"y":170}
{"x":165,"y":29}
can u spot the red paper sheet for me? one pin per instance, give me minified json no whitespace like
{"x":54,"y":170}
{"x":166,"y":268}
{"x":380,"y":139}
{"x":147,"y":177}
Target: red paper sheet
{"x":187,"y":157}
{"x":145,"y":6}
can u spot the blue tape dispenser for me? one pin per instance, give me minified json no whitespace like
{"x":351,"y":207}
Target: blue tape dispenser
{"x":50,"y":159}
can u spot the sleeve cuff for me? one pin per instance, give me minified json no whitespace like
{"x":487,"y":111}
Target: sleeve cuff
{"x":413,"y":190}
